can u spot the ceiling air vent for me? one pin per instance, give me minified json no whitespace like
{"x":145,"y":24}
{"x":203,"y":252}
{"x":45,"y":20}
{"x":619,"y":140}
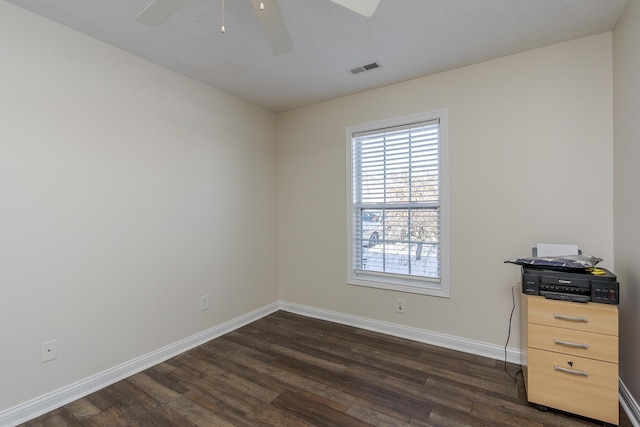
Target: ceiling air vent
{"x":363,"y":68}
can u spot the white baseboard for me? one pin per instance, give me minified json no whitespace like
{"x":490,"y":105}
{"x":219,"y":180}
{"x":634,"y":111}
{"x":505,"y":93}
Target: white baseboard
{"x":71,"y":392}
{"x":57,"y":398}
{"x":629,"y":404}
{"x":421,"y":335}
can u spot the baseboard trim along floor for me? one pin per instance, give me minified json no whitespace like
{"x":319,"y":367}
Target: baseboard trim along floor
{"x":71,"y":392}
{"x":50,"y":401}
{"x":629,"y":405}
{"x":421,"y":335}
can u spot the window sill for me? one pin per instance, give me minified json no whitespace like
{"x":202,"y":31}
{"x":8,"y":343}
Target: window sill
{"x":414,"y":287}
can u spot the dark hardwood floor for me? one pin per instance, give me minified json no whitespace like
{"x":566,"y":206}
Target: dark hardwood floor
{"x":289,"y":370}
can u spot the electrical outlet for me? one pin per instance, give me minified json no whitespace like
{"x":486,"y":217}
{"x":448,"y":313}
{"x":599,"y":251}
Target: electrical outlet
{"x":400,"y":305}
{"x":48,"y":351}
{"x":204,"y":302}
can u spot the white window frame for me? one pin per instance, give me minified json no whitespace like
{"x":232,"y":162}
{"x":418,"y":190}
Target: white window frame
{"x":390,"y":281}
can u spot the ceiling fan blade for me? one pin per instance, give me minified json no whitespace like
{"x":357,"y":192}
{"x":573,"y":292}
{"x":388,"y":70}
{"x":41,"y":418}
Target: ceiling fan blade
{"x":274,"y":27}
{"x":363,"y":7}
{"x":158,"y":11}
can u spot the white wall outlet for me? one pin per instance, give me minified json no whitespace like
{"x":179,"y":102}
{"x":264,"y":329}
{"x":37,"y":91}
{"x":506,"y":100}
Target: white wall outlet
{"x":204,"y":302}
{"x":400,"y":308}
{"x":48,"y":351}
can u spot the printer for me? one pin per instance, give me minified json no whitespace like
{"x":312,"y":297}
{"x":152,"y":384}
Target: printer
{"x":552,"y":273}
{"x":578,"y":285}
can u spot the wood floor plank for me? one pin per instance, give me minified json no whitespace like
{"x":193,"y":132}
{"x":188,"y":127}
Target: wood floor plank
{"x":237,"y":419}
{"x":195,"y":413}
{"x":205,"y":400}
{"x":111,"y":417}
{"x":83,"y":408}
{"x":225,"y":397}
{"x":501,"y":418}
{"x":294,"y":371}
{"x":362,"y":351}
{"x":281,"y":377}
{"x":57,"y":418}
{"x":129,"y":399}
{"x":153,"y":388}
{"x":165,"y":367}
{"x":99,"y":399}
{"x":269,"y":415}
{"x":163,"y":416}
{"x":231,"y":381}
{"x":164,"y":378}
{"x":382,"y":397}
{"x":262,"y":343}
{"x":377,"y":417}
{"x":446,"y":417}
{"x":316,"y":410}
{"x":242,"y":366}
{"x":409,"y":368}
{"x":329,"y":344}
{"x":446,"y":397}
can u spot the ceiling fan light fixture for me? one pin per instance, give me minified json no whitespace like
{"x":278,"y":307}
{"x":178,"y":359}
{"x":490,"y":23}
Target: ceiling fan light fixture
{"x":271,"y":20}
{"x":222,"y":29}
{"x":158,"y":11}
{"x":363,"y":7}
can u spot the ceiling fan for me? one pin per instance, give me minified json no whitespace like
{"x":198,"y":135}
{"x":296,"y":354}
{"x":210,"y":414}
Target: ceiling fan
{"x":273,"y":25}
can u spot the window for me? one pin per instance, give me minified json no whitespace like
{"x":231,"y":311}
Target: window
{"x":398,"y":234}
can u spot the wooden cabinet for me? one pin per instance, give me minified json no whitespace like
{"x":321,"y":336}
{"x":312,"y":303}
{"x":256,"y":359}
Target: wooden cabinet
{"x":570,"y":356}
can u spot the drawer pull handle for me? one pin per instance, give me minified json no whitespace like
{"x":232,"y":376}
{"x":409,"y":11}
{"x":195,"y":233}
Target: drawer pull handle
{"x":571,"y":344}
{"x":570,"y":371}
{"x":574,"y":319}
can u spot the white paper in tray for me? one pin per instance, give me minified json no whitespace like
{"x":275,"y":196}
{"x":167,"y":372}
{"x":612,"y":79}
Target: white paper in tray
{"x":549,"y":249}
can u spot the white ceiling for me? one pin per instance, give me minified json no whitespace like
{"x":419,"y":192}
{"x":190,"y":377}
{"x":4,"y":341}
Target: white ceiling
{"x":408,"y":38}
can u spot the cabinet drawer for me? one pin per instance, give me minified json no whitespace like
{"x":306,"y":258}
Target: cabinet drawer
{"x":588,"y":387}
{"x":589,"y":317}
{"x":572,"y":342}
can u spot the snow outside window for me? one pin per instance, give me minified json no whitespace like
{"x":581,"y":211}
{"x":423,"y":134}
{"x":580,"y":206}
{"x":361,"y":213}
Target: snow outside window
{"x":398,"y":234}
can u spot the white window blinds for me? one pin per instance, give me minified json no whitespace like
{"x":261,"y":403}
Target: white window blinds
{"x":396,"y":200}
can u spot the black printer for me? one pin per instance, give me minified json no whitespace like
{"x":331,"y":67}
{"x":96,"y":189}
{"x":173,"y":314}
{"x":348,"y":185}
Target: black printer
{"x":578,"y":285}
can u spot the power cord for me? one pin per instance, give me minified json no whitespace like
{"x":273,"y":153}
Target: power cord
{"x":513,"y":308}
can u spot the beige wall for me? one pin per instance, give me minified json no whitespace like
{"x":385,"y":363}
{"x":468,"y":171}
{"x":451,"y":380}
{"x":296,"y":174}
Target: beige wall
{"x":126,"y":193}
{"x":626,"y":65}
{"x":530,"y":147}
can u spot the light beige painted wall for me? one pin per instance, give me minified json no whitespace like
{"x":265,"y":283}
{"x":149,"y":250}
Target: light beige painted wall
{"x":626,"y":66}
{"x":530,"y":144}
{"x":126,"y":193}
